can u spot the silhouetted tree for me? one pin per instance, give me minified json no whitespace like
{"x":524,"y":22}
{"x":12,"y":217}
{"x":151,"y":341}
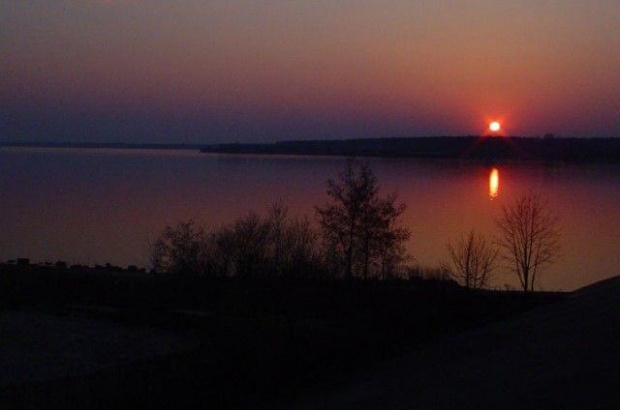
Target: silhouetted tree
{"x":391,"y":237}
{"x":358,"y":226}
{"x":306,"y":256}
{"x":179,"y":249}
{"x":529,"y":237}
{"x":223,"y":252}
{"x":252,"y":246}
{"x":473,"y":260}
{"x":251,"y":239}
{"x":277,"y":220}
{"x":293,"y":242}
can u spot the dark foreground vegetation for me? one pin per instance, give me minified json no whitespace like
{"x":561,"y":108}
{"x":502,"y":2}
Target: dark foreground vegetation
{"x":548,"y":148}
{"x":262,"y":341}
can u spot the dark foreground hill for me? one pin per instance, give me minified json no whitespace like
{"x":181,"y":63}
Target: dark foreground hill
{"x":560,"y":356}
{"x":474,"y":148}
{"x":110,"y":338}
{"x":104,"y":337}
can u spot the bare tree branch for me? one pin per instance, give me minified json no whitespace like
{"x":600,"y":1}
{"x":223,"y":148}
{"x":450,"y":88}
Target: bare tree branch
{"x":529,"y":238}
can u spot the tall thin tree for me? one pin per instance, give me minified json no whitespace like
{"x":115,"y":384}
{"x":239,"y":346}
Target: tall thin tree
{"x":529,"y":237}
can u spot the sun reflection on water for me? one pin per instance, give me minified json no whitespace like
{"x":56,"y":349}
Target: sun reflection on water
{"x":494,"y":183}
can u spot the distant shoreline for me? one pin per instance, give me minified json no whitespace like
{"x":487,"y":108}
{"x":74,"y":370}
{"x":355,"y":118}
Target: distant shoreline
{"x":551,"y":149}
{"x":548,"y":149}
{"x":103,"y":145}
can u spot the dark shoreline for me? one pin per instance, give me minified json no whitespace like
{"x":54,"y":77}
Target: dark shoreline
{"x":549,"y":149}
{"x":486,"y":148}
{"x":103,"y":145}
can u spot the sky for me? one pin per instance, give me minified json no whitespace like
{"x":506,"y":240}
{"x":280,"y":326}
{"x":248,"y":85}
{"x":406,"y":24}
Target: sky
{"x":211,"y":71}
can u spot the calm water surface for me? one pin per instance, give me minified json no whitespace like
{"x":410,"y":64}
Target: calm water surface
{"x":98,"y":206}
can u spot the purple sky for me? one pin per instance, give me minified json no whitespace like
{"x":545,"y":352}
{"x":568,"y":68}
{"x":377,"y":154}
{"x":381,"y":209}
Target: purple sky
{"x":217,"y":71}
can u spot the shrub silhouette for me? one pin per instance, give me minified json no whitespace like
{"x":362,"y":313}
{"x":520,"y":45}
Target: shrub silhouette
{"x":473,"y":260}
{"x":253,"y":246}
{"x":360,"y":236}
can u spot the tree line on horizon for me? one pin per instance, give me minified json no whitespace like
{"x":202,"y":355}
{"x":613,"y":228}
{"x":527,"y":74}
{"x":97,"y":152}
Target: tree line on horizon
{"x":359,"y":235}
{"x":546,"y":148}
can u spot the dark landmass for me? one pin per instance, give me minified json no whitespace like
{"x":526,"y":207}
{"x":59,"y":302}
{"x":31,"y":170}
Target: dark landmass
{"x":241,"y":342}
{"x":466,"y":148}
{"x":463,"y":148}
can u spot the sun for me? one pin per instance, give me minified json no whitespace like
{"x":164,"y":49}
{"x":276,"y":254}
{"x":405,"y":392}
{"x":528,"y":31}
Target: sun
{"x":495,"y":126}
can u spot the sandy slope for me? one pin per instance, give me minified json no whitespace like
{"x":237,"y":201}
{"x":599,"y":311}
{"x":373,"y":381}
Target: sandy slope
{"x":566,"y":355}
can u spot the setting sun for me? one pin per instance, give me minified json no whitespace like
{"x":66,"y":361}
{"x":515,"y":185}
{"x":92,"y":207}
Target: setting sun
{"x":495,"y":126}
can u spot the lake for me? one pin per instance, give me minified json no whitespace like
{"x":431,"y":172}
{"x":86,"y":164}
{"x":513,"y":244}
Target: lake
{"x":103,"y":205}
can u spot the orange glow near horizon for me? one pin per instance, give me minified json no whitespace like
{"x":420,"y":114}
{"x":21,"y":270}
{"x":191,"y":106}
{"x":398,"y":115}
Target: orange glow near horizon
{"x":312,"y":70}
{"x":494,"y":183}
{"x":495,"y":126}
